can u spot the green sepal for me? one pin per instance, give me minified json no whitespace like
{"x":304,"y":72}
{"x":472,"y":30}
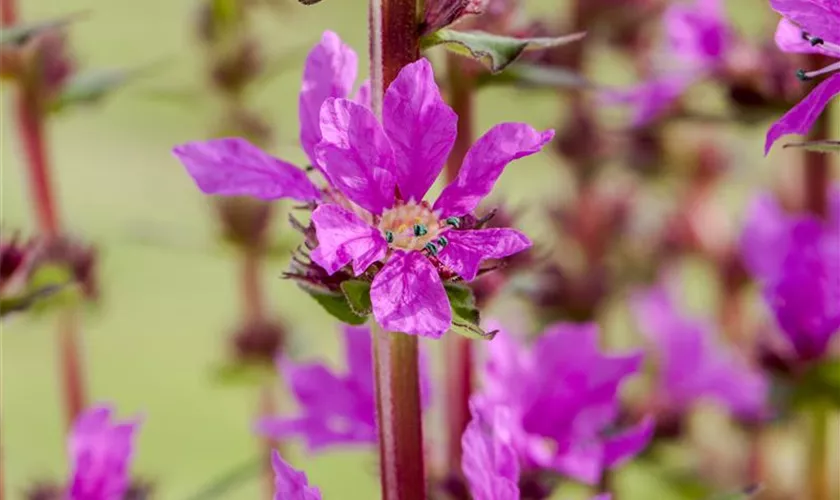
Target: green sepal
{"x":466,"y":318}
{"x":336,"y":304}
{"x":357,"y":293}
{"x":243,"y":374}
{"x":494,"y":51}
{"x":58,"y":281}
{"x":19,"y":33}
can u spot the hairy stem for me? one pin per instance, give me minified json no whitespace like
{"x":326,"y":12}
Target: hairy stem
{"x":396,"y":371}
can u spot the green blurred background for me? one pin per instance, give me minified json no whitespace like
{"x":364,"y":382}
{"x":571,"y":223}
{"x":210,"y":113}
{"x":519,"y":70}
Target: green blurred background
{"x":169,"y":289}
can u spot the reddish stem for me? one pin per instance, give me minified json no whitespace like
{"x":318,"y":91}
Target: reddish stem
{"x":252,"y":297}
{"x":818,"y":170}
{"x":71,"y":366}
{"x":267,"y":408}
{"x":29,"y":111}
{"x":396,"y":372}
{"x":458,"y":349}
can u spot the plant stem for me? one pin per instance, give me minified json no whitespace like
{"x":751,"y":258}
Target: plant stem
{"x":457,"y":349}
{"x":819,"y":475}
{"x":30,"y":116}
{"x":395,"y":43}
{"x":398,"y":413}
{"x":252,"y":297}
{"x":818,"y":165}
{"x":267,"y":408}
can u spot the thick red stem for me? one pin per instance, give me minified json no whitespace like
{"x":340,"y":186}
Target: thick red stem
{"x":252,"y":296}
{"x":394,"y":43}
{"x":71,"y":366}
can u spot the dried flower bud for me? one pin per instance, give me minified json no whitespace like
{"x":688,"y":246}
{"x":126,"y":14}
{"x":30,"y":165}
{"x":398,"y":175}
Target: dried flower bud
{"x":77,"y":257}
{"x":244,"y":221}
{"x":46,"y":63}
{"x":258,"y":342}
{"x":561,"y":295}
{"x":234,"y":69}
{"x":13,"y":256}
{"x":441,"y":13}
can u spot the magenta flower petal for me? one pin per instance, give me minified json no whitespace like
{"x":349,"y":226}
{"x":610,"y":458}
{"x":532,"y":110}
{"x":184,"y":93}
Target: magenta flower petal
{"x":363,"y":95}
{"x":698,"y":34}
{"x":652,"y":99}
{"x":817,"y":17}
{"x":329,"y":71}
{"x":800,"y":118}
{"x":765,"y":226}
{"x":421,"y":127}
{"x":235,"y":167}
{"x":484,"y":163}
{"x":466,"y":250}
{"x":693,"y":365}
{"x":625,"y":445}
{"x":409,"y":297}
{"x":489,"y":461}
{"x":356,"y":155}
{"x":806,"y":295}
{"x":789,"y":39}
{"x":101,"y":451}
{"x":344,"y":237}
{"x":290,"y":483}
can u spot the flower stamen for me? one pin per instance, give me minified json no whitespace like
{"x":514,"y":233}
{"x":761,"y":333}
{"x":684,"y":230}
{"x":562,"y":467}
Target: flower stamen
{"x":804,"y":76}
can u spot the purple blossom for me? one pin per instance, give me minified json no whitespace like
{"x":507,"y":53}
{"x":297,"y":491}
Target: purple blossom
{"x":335,"y":409}
{"x":693,"y":365}
{"x":808,"y":26}
{"x":490,"y":462}
{"x":562,"y":396}
{"x":290,"y":483}
{"x":801,"y":279}
{"x":374,"y":212}
{"x":697,"y":38}
{"x":100,"y":451}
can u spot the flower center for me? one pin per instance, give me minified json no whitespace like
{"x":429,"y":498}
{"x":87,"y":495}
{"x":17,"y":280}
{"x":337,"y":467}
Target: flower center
{"x":414,"y":226}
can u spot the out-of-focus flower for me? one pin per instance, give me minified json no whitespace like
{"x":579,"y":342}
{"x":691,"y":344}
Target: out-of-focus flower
{"x":698,"y":36}
{"x":101,"y":451}
{"x":334,"y":408}
{"x":808,"y":27}
{"x":693,"y":365}
{"x":78,"y":259}
{"x":490,"y":462}
{"x":290,"y":483}
{"x":796,"y":259}
{"x":562,"y":397}
{"x":373,"y":216}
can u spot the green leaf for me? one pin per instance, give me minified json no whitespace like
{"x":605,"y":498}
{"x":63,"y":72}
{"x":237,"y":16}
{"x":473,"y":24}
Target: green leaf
{"x":494,"y":51}
{"x":336,"y":304}
{"x":357,"y":293}
{"x":91,"y":86}
{"x":23,"y":301}
{"x":17,"y":34}
{"x":58,"y":281}
{"x":816,"y":146}
{"x":538,"y":77}
{"x":466,"y":318}
{"x":820,"y":384}
{"x":243,"y":374}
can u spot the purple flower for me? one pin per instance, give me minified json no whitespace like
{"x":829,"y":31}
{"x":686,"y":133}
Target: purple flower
{"x":100,"y":453}
{"x":698,"y":36}
{"x":290,"y":483}
{"x":692,"y":364}
{"x":801,"y":279}
{"x":562,"y":395}
{"x":490,"y":462}
{"x":374,"y":212}
{"x":809,"y":26}
{"x":335,"y":409}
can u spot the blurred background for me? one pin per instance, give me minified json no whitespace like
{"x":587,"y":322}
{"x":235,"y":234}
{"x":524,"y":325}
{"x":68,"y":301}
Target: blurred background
{"x":169,"y":295}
